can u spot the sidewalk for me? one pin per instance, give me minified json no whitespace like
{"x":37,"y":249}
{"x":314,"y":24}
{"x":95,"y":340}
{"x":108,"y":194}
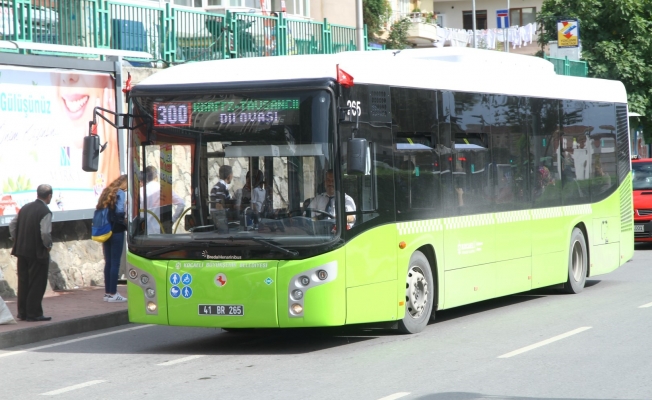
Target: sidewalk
{"x":74,"y":311}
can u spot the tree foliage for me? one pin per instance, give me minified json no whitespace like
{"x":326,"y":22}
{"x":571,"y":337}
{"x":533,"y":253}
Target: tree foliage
{"x":397,"y":38}
{"x":616,"y":40}
{"x":375,"y":13}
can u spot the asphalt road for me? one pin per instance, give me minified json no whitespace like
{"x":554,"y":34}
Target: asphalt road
{"x":539,"y":345}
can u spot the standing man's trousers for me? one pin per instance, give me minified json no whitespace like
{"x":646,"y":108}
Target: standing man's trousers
{"x":32,"y":282}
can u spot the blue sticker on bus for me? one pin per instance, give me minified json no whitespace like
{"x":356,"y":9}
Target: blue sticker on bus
{"x":175,"y":279}
{"x":186,"y":279}
{"x":186,"y":292}
{"x":175,"y":292}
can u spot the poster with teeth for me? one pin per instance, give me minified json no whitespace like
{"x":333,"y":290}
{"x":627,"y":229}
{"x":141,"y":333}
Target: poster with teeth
{"x":44,"y":116}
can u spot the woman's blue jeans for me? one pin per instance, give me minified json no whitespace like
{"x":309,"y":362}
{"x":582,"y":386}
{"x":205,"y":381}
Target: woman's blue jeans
{"x":112,"y":255}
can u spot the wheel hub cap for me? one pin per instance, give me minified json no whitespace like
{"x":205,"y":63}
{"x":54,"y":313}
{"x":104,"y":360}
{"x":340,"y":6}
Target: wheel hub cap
{"x":416,"y":292}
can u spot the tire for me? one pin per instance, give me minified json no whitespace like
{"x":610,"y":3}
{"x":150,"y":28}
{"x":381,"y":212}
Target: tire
{"x":419,"y":295}
{"x":577,"y":263}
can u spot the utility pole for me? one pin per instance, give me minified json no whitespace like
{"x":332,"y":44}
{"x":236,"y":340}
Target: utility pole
{"x":475,"y":44}
{"x":359,"y":26}
{"x":509,"y":23}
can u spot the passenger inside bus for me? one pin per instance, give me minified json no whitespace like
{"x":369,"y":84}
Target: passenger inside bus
{"x":156,"y":202}
{"x":220,"y":195}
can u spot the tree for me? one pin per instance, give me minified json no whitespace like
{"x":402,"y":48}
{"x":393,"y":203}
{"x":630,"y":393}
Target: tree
{"x":616,"y":40}
{"x":375,"y":13}
{"x":397,"y":38}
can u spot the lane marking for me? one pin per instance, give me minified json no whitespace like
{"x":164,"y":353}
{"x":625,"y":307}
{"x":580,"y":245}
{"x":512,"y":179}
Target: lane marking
{"x":12,"y":353}
{"x":645,"y":305}
{"x":395,"y":396}
{"x":73,"y":387}
{"x":179,"y":360}
{"x":545,"y":342}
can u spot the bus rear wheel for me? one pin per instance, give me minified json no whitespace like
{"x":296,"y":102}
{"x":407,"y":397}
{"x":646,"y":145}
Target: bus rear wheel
{"x":419,"y":295}
{"x":577,"y":263}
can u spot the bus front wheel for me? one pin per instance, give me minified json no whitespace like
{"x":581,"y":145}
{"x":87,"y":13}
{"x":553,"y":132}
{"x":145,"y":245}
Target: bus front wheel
{"x":419,"y":295}
{"x":577,"y":263}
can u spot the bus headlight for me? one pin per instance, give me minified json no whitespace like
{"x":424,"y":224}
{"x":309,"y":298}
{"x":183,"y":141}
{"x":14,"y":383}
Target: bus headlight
{"x":297,"y":294}
{"x":150,"y":292}
{"x":296,"y":308}
{"x":322,"y":275}
{"x":133,"y":274}
{"x":305,"y":281}
{"x":151,"y":306}
{"x":144,"y":279}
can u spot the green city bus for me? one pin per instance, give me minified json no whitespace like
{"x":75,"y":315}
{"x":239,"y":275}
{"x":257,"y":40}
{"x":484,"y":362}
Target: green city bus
{"x":459,"y":175}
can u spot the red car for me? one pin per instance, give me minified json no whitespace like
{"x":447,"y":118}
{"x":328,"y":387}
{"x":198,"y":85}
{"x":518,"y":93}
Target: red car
{"x":642,"y":182}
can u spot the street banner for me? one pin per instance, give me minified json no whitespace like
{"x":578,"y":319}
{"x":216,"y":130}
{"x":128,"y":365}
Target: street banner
{"x":44,"y":116}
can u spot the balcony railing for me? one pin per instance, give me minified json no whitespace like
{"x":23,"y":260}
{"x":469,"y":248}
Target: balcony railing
{"x":169,"y":33}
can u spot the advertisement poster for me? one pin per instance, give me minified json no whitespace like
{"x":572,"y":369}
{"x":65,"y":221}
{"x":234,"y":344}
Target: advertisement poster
{"x":568,"y":33}
{"x":44,"y":116}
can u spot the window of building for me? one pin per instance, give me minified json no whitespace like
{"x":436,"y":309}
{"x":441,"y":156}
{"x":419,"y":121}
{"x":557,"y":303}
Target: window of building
{"x":404,"y":6}
{"x":480,"y":19}
{"x":522,"y":16}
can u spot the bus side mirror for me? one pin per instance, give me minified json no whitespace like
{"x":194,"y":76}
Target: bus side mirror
{"x":356,"y":156}
{"x":91,"y":153}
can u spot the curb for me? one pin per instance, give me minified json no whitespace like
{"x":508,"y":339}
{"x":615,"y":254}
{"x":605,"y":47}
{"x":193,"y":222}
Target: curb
{"x":55,"y":330}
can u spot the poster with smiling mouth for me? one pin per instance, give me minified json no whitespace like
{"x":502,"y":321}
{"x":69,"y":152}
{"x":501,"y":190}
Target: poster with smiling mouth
{"x":44,"y":115}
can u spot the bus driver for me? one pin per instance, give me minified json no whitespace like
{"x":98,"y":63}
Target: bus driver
{"x":326,"y":201}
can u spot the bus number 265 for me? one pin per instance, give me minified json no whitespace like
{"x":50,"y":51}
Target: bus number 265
{"x":354,"y":107}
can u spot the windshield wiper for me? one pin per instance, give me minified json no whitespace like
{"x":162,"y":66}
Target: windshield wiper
{"x":268,"y":244}
{"x":178,"y":246}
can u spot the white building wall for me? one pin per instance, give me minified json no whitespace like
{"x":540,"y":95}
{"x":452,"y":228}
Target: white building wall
{"x":339,"y":12}
{"x":452,"y":10}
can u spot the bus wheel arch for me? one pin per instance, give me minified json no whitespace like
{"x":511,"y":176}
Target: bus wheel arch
{"x":581,"y":226}
{"x":419,"y":294}
{"x":578,"y":261}
{"x":429,"y":251}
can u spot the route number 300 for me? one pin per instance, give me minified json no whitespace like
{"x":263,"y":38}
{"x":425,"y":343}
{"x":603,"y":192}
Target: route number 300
{"x":354,"y":107}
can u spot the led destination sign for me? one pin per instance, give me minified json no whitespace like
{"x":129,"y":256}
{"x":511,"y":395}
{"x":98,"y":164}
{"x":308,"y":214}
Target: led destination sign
{"x":174,"y":114}
{"x":231,"y":112}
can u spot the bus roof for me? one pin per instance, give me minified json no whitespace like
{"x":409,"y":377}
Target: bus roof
{"x":449,"y":68}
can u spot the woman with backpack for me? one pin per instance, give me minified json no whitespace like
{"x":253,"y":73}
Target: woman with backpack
{"x":114,"y":198}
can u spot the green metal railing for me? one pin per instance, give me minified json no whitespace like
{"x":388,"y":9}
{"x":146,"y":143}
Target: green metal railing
{"x":564,"y":66}
{"x":169,"y":33}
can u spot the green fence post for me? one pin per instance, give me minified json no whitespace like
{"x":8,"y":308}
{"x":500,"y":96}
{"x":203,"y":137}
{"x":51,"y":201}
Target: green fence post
{"x":231,"y":35}
{"x":326,"y":39}
{"x":566,"y":66}
{"x":102,"y":32}
{"x":23,"y":26}
{"x":167,"y":33}
{"x":281,"y":36}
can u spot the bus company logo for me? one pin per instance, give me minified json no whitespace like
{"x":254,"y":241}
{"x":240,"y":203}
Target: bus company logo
{"x":220,"y":280}
{"x":177,"y":265}
{"x":207,"y":256}
{"x":469,"y":248}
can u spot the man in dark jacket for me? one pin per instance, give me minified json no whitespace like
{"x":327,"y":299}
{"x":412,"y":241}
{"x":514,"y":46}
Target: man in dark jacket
{"x":31,"y":230}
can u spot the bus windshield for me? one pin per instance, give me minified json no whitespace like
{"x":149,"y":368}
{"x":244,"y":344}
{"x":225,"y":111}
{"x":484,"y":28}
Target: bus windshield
{"x":237,"y":168}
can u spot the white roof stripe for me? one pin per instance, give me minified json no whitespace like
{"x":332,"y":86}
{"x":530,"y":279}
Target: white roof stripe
{"x":453,"y":68}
